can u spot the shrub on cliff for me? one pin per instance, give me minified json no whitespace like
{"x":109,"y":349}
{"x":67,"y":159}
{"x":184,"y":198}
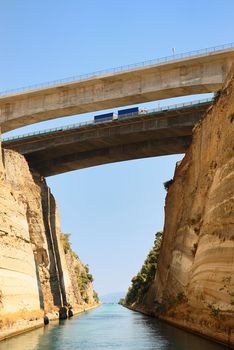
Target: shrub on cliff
{"x":89,"y":276}
{"x":82,"y":274}
{"x":95,"y":296}
{"x":142,"y":281}
{"x":167,"y":184}
{"x":65,"y":240}
{"x":84,"y":278}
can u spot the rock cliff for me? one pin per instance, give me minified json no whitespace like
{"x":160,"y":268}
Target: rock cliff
{"x":194,"y":283}
{"x":35,"y":274}
{"x":81,"y":279}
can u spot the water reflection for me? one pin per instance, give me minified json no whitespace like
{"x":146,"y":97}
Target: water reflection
{"x":109,"y":327}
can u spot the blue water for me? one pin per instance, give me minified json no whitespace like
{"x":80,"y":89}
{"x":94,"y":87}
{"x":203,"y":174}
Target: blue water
{"x":109,"y":327}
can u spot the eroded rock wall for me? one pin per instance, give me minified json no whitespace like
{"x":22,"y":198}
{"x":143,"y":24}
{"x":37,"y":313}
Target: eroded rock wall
{"x":38,"y":217}
{"x":81,"y":293}
{"x":34,"y":276}
{"x":194,"y":284}
{"x":18,"y":270}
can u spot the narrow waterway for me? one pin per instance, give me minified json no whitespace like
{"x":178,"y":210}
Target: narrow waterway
{"x":109,"y":327}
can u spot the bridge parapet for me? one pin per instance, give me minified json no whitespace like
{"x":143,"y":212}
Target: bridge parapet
{"x":124,"y":68}
{"x":151,"y":112}
{"x":146,"y":135}
{"x":202,"y":73}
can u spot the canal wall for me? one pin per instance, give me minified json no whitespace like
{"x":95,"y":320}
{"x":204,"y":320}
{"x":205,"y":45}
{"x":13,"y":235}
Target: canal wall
{"x":36,"y":278}
{"x":194,"y":282}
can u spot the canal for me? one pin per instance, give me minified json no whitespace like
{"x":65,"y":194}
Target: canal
{"x":109,"y":327}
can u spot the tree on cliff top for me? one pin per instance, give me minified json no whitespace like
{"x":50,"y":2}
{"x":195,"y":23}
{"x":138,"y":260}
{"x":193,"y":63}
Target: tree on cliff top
{"x":142,"y":281}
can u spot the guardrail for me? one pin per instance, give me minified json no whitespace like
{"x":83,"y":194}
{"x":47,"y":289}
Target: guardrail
{"x":171,"y":58}
{"x":92,"y":122}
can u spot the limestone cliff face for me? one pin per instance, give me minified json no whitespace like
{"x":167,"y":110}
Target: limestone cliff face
{"x":18,"y":271}
{"x":34,"y":275}
{"x":81,"y":285}
{"x":194,"y":283}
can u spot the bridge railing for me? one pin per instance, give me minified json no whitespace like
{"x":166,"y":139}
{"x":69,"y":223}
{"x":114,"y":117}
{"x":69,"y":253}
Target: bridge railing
{"x":93,"y":122}
{"x":124,"y":68}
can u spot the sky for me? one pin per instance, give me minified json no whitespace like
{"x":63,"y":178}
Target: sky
{"x":111,"y":211}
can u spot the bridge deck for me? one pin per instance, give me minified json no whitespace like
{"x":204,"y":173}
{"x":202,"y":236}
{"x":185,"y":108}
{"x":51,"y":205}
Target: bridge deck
{"x":189,"y":75}
{"x":153,"y":134}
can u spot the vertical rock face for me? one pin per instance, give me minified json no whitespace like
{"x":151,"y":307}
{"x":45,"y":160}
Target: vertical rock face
{"x":194,"y":283}
{"x":34,"y":276}
{"x":82,"y":287}
{"x":18,"y":271}
{"x":33,"y":208}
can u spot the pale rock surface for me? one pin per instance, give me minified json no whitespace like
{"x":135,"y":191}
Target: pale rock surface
{"x":34,"y":274}
{"x":195,"y":272}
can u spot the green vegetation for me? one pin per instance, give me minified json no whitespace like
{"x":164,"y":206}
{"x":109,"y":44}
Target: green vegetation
{"x":168,"y":302}
{"x":95,"y":296}
{"x":65,"y":240}
{"x":66,"y":244}
{"x":215,"y":311}
{"x":83,"y":276}
{"x":83,"y":279}
{"x":227,"y":287}
{"x":167,"y":184}
{"x":142,"y":281}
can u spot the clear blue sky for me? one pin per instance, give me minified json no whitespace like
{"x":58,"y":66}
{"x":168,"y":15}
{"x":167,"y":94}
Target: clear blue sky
{"x":111,"y":211}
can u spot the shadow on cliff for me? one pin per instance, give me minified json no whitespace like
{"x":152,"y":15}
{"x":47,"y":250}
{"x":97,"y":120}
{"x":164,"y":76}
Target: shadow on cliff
{"x":56,"y":273}
{"x":41,"y":299}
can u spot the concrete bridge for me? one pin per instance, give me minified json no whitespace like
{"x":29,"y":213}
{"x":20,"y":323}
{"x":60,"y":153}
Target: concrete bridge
{"x":194,"y":73}
{"x":160,"y":132}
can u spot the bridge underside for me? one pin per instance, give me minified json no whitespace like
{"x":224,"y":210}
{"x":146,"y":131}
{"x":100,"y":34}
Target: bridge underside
{"x":145,"y":136}
{"x":80,"y":160}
